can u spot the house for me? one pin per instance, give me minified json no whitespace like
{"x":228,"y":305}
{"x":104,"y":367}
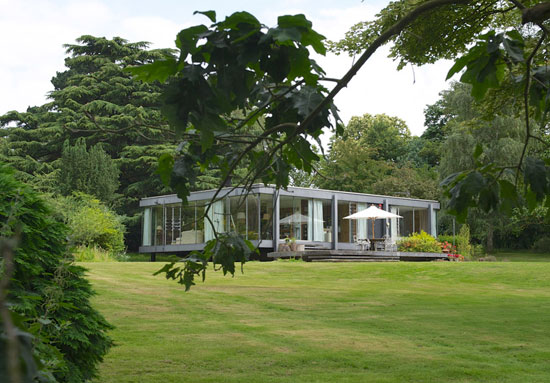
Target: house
{"x":266,"y":216}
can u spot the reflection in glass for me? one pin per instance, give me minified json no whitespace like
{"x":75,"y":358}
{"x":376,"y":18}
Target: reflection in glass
{"x":266,"y":216}
{"x":252,"y":223}
{"x":147,"y":227}
{"x":158,"y":225}
{"x":237,"y":217}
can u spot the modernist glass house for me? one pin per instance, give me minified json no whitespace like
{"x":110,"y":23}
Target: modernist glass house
{"x":267,"y":216}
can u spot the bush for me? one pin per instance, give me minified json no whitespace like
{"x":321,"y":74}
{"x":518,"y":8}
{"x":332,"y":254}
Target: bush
{"x":447,"y":238}
{"x":542,"y":245}
{"x":91,"y":223}
{"x":48,"y":292}
{"x":422,"y":243}
{"x":463,"y":245}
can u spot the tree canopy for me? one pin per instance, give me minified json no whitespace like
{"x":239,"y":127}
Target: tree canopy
{"x":95,"y":102}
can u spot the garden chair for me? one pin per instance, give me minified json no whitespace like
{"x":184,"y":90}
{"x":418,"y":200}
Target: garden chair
{"x":364,"y":244}
{"x":389,"y":243}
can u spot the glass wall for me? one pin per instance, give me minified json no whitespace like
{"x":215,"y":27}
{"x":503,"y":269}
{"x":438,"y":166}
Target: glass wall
{"x":252,"y":217}
{"x":243,"y":217}
{"x":304,"y":219}
{"x":190,"y":233}
{"x":147,"y":226}
{"x":266,"y":216}
{"x":326,"y":206}
{"x":345,"y":228}
{"x":237,"y":218}
{"x":350,"y":229}
{"x":158,"y":224}
{"x":414,"y":220}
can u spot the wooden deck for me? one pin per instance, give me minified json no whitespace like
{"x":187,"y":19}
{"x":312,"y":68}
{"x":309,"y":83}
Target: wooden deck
{"x":356,"y":256}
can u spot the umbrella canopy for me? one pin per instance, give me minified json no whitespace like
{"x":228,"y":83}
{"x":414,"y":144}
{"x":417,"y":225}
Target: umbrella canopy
{"x":295,"y":218}
{"x":372,"y":212}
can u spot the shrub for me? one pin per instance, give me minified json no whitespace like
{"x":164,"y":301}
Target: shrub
{"x":542,"y":245}
{"x":91,"y":223}
{"x":446,"y":238}
{"x":48,"y":292}
{"x":422,"y":243}
{"x":463,"y":245}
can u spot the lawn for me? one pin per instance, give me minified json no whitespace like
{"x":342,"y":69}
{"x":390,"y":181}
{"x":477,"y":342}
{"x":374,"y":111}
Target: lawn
{"x":320,"y":322}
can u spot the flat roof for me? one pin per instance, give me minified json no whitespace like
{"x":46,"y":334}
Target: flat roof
{"x":302,"y":191}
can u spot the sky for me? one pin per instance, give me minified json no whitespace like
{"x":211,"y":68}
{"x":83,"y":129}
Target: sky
{"x":34,"y":31}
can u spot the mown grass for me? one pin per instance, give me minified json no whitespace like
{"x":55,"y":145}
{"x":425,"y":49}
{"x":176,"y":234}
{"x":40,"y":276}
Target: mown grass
{"x":315,"y":322}
{"x":521,"y":256}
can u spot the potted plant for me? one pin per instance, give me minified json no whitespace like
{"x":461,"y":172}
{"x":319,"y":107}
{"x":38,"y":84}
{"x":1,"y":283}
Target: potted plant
{"x":285,"y":246}
{"x":293,"y":244}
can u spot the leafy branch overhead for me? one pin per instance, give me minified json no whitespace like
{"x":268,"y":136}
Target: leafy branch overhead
{"x":237,"y":76}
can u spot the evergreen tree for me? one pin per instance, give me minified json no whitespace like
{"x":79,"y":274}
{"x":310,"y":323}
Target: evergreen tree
{"x":95,"y":101}
{"x":92,"y":172}
{"x":47,"y":291}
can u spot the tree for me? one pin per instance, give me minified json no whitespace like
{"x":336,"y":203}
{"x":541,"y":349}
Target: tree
{"x":49,"y":298}
{"x":479,"y":135}
{"x":387,"y":136}
{"x":374,"y":154}
{"x":91,"y":172}
{"x":94,"y":101}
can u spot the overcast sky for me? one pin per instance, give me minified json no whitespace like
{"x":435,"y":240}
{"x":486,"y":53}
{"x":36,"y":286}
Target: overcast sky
{"x":33,"y":32}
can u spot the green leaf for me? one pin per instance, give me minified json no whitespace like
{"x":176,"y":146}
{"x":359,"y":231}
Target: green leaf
{"x":164,"y":269}
{"x":536,"y":177}
{"x":165,"y":165}
{"x":283,"y":35}
{"x":306,"y":100}
{"x":508,"y":196}
{"x":458,"y":66}
{"x":489,"y":198}
{"x":156,"y":71}
{"x":478,"y":151}
{"x":210,"y":14}
{"x":315,"y":40}
{"x":290,"y":21}
{"x":188,"y":38}
{"x":514,"y":49}
{"x":235,"y":20}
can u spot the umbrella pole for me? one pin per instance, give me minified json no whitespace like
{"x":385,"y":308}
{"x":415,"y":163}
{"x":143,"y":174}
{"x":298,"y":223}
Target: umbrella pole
{"x":373,"y":229}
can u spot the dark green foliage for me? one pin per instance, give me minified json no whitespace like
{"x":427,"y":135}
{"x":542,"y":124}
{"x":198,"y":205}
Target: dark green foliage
{"x":486,"y":62}
{"x":88,"y":171}
{"x":542,"y":245}
{"x":266,"y":76}
{"x":47,"y":290}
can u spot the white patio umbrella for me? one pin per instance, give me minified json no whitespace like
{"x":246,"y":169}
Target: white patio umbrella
{"x":295,"y":218}
{"x":372,"y":212}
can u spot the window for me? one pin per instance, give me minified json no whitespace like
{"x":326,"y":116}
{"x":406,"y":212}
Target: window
{"x":266,"y":216}
{"x":305,"y":219}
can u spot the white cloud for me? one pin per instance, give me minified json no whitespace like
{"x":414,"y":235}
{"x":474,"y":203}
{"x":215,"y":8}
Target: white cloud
{"x":159,"y":31}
